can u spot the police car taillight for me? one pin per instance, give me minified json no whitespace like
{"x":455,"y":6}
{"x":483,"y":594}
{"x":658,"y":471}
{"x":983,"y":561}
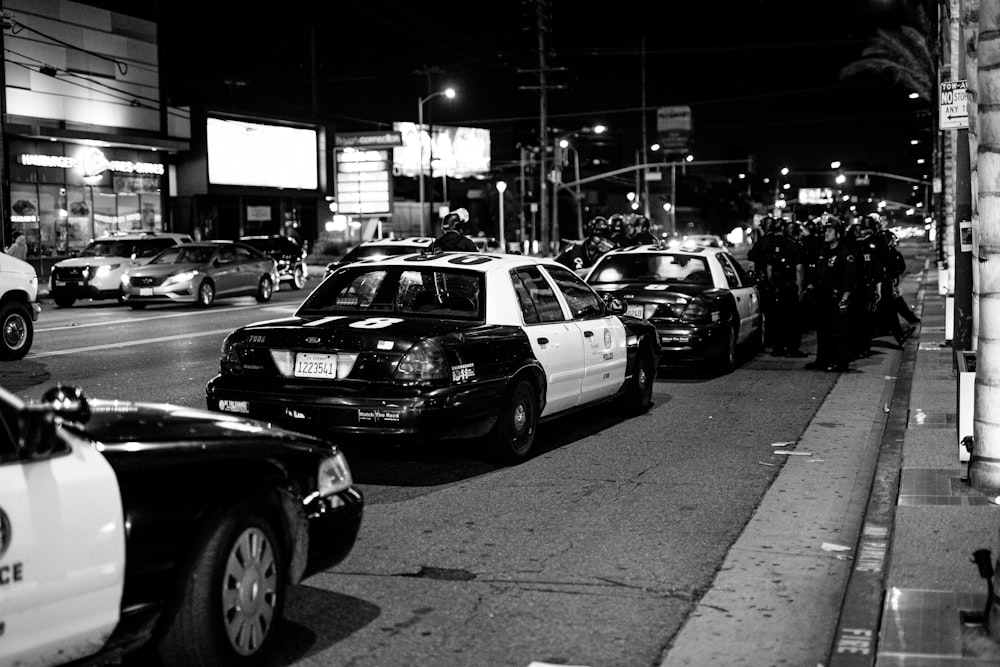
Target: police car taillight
{"x":423,"y":362}
{"x":696,"y":310}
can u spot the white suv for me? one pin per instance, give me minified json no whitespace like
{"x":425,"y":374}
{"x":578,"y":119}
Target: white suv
{"x":19,"y":307}
{"x":96,"y":273}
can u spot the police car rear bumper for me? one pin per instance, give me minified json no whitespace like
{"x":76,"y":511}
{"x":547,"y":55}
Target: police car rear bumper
{"x":459,"y":411}
{"x":690,"y":344}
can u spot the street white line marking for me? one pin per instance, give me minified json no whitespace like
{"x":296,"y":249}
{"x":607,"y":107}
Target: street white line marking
{"x":130,"y":343}
{"x":228,"y":309}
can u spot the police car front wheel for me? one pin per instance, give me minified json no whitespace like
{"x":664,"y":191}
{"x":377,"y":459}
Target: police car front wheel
{"x":232,"y":597}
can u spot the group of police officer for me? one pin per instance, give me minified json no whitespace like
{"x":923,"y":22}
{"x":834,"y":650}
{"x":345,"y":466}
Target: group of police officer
{"x":841,"y":280}
{"x":604,"y":234}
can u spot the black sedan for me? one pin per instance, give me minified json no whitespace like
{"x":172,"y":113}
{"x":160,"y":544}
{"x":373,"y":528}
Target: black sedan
{"x":288,"y":254}
{"x":702,"y":302}
{"x":125,"y":525}
{"x":438,"y":345}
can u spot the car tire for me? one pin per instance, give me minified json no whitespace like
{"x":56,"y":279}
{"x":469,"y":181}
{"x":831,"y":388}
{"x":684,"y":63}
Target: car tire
{"x":64,"y":301}
{"x":16,"y":330}
{"x":726,"y":361}
{"x":299,"y":277}
{"x":265,"y":289}
{"x":206,"y":293}
{"x":137,"y":306}
{"x":230,"y":596}
{"x":512,"y":436}
{"x":638,"y":395}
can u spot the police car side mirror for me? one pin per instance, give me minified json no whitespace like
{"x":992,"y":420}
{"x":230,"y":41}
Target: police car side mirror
{"x":615,"y":304}
{"x":36,"y":437}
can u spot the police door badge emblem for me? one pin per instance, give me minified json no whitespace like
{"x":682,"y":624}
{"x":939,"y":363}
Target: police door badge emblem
{"x":5,"y":535}
{"x":607,"y":339}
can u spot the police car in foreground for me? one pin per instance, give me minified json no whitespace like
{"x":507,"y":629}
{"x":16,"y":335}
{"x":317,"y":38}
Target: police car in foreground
{"x":125,"y":525}
{"x":439,"y":345}
{"x":702,"y":302}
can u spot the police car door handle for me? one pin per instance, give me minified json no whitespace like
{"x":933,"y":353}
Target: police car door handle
{"x":588,"y":334}
{"x":543,"y":341}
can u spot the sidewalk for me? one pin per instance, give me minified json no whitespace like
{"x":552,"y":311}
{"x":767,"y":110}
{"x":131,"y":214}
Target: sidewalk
{"x":860,"y":553}
{"x":935,"y":522}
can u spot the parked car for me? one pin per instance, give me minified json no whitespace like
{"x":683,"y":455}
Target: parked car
{"x":702,"y":302}
{"x":289,"y":255}
{"x":19,"y":308}
{"x":131,"y":525}
{"x":379,"y":248}
{"x":96,"y":273}
{"x":199,"y":273}
{"x":436,"y":345}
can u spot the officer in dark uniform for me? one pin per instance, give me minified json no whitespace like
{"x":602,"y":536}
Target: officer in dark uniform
{"x":583,"y":254}
{"x":758,"y":256}
{"x":870,"y":254}
{"x":786,"y":276}
{"x":833,"y":284}
{"x":643,"y":234}
{"x":453,"y":237}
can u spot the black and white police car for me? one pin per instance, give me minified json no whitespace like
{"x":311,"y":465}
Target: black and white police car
{"x":436,"y":345}
{"x":128,"y":525}
{"x":702,"y":302}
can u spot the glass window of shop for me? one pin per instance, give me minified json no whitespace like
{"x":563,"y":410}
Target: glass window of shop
{"x":64,"y":195}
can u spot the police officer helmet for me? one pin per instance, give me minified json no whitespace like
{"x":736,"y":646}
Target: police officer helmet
{"x":836,"y":225}
{"x":868,"y":224}
{"x":599,"y":226}
{"x":616,"y":223}
{"x":641,"y":223}
{"x":455,"y":221}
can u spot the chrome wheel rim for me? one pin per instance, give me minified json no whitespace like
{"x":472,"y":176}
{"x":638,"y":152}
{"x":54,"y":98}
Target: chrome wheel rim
{"x":299,"y":278}
{"x":265,"y":289}
{"x":520,"y":417}
{"x":249,"y":592}
{"x":206,"y":293}
{"x":15,"y":331}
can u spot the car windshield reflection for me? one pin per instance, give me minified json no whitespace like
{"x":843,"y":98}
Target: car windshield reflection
{"x":430,"y":292}
{"x":652,"y":268}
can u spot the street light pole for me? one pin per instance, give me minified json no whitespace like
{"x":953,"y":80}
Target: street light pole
{"x":560,"y":146}
{"x":449,"y":93}
{"x":501,"y":188}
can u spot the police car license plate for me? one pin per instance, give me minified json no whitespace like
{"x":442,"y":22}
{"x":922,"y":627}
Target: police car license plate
{"x":311,"y":365}
{"x":636,"y":311}
{"x":145,"y":291}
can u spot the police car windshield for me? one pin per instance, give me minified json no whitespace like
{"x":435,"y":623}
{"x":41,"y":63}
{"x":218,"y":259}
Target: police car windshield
{"x":653,"y":267}
{"x":400,"y":290}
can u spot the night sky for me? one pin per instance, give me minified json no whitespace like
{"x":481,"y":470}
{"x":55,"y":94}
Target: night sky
{"x":761,"y":76}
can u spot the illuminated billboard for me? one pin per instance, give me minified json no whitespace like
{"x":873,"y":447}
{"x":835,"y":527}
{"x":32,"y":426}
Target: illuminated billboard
{"x":267,"y":156}
{"x":456,"y":152}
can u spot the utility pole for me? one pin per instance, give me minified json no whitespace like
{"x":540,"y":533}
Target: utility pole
{"x":542,"y":8}
{"x":645,"y":139}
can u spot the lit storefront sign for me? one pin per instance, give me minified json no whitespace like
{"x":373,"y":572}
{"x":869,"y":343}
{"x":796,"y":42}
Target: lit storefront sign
{"x":364,"y":186}
{"x":815,"y":195}
{"x":91,"y":162}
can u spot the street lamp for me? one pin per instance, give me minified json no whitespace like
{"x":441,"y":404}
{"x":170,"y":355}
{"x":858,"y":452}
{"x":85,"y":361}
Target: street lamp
{"x":561,"y":144}
{"x":449,"y":93}
{"x":501,"y":188}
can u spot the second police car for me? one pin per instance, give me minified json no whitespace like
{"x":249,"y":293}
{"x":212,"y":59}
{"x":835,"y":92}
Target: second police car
{"x":436,"y":345}
{"x":702,"y":302}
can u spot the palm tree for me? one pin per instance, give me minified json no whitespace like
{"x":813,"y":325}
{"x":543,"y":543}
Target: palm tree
{"x":907,"y":54}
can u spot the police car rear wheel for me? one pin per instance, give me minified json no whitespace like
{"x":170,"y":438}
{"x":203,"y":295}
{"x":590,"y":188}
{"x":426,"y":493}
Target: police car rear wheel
{"x":511,"y":439}
{"x":638,"y":396}
{"x":727,"y":357}
{"x":232,"y":595}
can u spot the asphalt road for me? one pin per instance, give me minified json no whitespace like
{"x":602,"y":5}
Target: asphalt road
{"x":594,"y":552}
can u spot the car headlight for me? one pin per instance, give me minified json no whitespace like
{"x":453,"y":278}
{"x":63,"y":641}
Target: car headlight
{"x":125,"y":279}
{"x":184,"y":277}
{"x":334,"y":475}
{"x":105,"y":269}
